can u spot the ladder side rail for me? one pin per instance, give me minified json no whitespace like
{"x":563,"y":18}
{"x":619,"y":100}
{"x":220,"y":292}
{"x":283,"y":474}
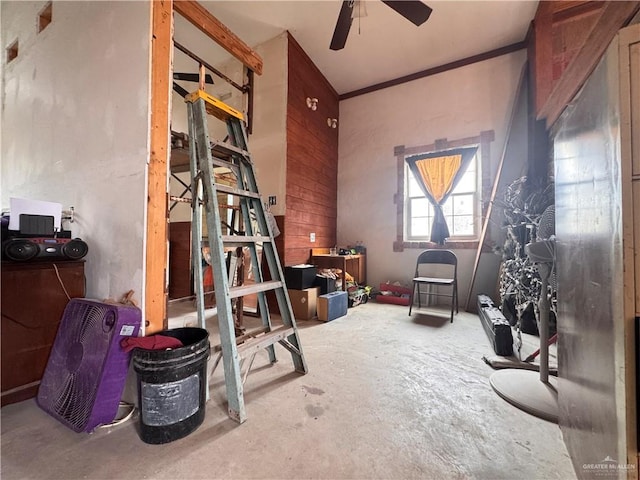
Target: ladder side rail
{"x":196,"y":224}
{"x":273,"y":263}
{"x":256,"y":266}
{"x":230,"y":356}
{"x":238,"y":136}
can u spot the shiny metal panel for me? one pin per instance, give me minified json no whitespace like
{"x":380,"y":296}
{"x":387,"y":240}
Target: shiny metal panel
{"x":590,"y":272}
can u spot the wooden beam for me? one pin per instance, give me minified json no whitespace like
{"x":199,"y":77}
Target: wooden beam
{"x":218,"y":32}
{"x":612,"y":17}
{"x":157,"y":211}
{"x":522,"y":84}
{"x":543,"y":53}
{"x":514,"y":47}
{"x":567,"y":11}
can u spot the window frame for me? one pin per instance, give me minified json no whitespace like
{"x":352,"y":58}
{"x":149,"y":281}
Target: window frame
{"x":483,"y":192}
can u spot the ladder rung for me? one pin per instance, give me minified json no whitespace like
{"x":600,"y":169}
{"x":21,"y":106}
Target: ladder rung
{"x":244,"y":240}
{"x":263,"y":341}
{"x":228,"y":149}
{"x":235,"y":191}
{"x":243,"y":290}
{"x":243,"y":338}
{"x":218,"y":162}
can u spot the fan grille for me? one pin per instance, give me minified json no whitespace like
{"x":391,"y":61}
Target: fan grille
{"x":547,"y":225}
{"x":87,"y":368}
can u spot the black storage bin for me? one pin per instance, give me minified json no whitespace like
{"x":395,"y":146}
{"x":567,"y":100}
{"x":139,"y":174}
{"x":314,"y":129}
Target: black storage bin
{"x":327,"y":285}
{"x":172,"y":386}
{"x":300,"y":277}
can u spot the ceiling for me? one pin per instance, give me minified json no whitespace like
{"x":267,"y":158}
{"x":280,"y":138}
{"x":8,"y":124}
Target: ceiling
{"x":382,"y":45}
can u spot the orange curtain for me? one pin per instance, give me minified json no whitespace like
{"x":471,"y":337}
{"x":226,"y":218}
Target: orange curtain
{"x":438,"y":174}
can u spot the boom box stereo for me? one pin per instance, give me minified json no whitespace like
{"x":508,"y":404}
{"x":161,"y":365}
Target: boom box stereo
{"x":45,"y":248}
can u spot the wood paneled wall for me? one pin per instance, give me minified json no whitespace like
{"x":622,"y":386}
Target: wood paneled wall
{"x":312,"y":160}
{"x":569,"y":38}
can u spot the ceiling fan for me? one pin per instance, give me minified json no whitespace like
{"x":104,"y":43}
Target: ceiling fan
{"x":413,"y":10}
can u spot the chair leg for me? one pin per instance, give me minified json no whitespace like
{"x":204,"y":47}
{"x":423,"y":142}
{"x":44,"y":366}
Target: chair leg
{"x":456,"y":290}
{"x":453,"y":300}
{"x":413,"y":290}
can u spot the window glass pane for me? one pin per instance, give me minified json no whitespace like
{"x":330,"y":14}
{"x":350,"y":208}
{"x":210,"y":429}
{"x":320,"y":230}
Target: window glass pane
{"x":463,"y":204}
{"x":420,"y":207}
{"x":467,"y":183}
{"x":463,"y":225}
{"x":449,"y":220}
{"x":413,"y":187}
{"x":447,"y":207}
{"x":420,"y":227}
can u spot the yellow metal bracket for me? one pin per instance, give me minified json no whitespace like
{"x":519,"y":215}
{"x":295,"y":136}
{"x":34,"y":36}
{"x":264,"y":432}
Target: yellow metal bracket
{"x":214,"y":107}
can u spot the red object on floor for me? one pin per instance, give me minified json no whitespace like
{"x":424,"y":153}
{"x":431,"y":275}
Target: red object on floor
{"x":152,"y":342}
{"x":400,"y":295}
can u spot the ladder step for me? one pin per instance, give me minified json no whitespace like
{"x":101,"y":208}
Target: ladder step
{"x":235,"y":191}
{"x":263,"y":341}
{"x":235,"y":292}
{"x":223,"y":163}
{"x":222,"y":148}
{"x":239,"y":240}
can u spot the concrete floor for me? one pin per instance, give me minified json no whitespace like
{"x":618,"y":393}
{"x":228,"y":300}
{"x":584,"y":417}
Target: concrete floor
{"x":387,"y":396}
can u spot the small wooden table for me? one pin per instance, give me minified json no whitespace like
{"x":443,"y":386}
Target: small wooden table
{"x":356,"y":265}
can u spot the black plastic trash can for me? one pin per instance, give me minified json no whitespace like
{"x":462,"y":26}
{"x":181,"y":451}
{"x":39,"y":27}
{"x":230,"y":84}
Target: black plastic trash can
{"x":172,"y":386}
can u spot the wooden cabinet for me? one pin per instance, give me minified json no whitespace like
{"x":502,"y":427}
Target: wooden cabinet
{"x":33,"y":300}
{"x":355,"y":265}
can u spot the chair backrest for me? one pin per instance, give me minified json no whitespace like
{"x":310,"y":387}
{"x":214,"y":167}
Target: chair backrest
{"x":437,"y":256}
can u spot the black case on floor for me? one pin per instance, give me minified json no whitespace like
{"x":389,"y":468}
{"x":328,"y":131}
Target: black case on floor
{"x":496,"y":326}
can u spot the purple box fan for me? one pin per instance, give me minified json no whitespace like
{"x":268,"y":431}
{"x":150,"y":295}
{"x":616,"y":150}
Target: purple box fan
{"x":87,"y":368}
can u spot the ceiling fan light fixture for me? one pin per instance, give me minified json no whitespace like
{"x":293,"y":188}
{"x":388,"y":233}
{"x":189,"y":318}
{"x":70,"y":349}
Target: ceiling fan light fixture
{"x":359,"y":9}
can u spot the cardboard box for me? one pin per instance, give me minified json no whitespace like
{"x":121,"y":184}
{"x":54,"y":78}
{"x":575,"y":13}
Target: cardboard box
{"x":303,"y":302}
{"x":300,"y":277}
{"x":332,"y":305}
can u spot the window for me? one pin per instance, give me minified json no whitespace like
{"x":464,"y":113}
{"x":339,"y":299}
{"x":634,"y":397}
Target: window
{"x":465,"y":207}
{"x":460,"y":209}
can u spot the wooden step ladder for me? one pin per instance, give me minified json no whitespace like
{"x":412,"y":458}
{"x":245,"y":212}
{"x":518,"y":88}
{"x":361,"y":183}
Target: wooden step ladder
{"x":207,"y":155}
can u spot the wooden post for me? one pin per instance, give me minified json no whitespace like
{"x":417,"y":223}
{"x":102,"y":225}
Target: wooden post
{"x":157,"y":202}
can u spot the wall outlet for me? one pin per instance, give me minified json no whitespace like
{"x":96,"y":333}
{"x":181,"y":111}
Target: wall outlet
{"x":312,"y":237}
{"x":272,"y":200}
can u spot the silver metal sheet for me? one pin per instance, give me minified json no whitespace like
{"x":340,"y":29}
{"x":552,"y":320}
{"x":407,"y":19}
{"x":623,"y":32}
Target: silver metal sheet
{"x":590,"y":272}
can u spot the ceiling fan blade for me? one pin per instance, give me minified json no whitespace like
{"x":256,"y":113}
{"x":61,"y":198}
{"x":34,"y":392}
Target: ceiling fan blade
{"x":192,"y":77}
{"x":343,"y":25}
{"x":413,"y":10}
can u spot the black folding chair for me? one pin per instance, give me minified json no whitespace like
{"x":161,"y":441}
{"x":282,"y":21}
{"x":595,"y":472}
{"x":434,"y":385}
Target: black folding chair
{"x":427,"y":260}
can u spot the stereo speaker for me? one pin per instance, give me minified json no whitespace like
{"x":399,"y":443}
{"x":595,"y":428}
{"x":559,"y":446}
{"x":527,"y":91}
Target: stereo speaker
{"x":25,"y":249}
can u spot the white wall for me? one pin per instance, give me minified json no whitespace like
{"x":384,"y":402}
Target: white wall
{"x":455,"y":104}
{"x":268,"y":142}
{"x":75,"y":126}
